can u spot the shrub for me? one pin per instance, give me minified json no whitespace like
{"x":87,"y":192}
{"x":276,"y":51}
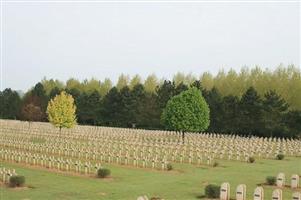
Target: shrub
{"x":103,"y":172}
{"x":270,"y":180}
{"x":280,"y":156}
{"x":215,"y":164}
{"x":251,"y":159}
{"x":16,"y":181}
{"x":169,"y":167}
{"x":212,"y":191}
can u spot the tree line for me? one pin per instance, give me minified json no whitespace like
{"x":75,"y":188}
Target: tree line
{"x":132,"y":104}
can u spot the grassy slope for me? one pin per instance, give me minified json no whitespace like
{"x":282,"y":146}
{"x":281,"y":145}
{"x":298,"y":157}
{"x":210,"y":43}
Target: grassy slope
{"x":186,"y":182}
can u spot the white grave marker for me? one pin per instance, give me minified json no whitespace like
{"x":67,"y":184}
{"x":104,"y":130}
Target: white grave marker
{"x":241,"y":192}
{"x":258,"y":194}
{"x":225,"y":191}
{"x":281,"y":180}
{"x":277,"y":194}
{"x":296,"y":196}
{"x":295,"y":181}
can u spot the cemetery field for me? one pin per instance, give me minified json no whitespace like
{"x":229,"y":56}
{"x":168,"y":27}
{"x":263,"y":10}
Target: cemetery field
{"x":184,"y":182}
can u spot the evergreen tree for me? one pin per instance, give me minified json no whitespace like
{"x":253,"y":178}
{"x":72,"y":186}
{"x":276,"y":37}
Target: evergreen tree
{"x":251,"y":115}
{"x":10,"y":103}
{"x":214,"y":100}
{"x":275,"y":108}
{"x":88,"y":108}
{"x":230,"y":114}
{"x":164,"y":93}
{"x":111,"y":109}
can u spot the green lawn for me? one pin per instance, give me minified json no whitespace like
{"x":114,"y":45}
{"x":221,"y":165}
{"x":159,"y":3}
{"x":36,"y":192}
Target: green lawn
{"x":185,"y":182}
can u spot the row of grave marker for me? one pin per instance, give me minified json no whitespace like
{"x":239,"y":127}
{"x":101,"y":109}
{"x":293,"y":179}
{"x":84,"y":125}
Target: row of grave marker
{"x":5,"y":174}
{"x":258,"y":194}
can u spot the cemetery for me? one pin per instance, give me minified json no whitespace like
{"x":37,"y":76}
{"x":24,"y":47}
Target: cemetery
{"x":136,"y":156}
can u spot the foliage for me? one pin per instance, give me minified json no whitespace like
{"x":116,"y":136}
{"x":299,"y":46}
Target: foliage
{"x":10,"y":103}
{"x":88,"y":108}
{"x":280,"y":156}
{"x":103,"y":173}
{"x":169,"y":167}
{"x":212,"y":191}
{"x":251,"y":159}
{"x":270,"y":180}
{"x":30,"y":113}
{"x":16,"y":181}
{"x":187,"y":111}
{"x":251,"y":113}
{"x":215,"y":164}
{"x":250,"y":102}
{"x":61,"y":111}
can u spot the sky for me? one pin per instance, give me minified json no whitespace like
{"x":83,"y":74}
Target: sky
{"x":85,"y":40}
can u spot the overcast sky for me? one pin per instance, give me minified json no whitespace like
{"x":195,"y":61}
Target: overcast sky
{"x":105,"y":39}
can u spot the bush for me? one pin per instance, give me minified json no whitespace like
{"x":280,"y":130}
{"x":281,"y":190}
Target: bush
{"x":16,"y":181}
{"x":280,"y":156}
{"x":212,"y":191}
{"x":215,"y":164}
{"x":103,"y":172}
{"x":270,"y":180}
{"x":169,"y":167}
{"x":251,"y":159}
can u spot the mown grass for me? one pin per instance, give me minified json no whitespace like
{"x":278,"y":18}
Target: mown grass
{"x":184,"y":182}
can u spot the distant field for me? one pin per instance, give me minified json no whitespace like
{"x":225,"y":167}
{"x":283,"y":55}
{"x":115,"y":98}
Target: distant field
{"x":185,"y":182}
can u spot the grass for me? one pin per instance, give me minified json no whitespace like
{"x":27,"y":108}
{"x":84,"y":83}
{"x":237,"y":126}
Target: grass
{"x":184,"y":182}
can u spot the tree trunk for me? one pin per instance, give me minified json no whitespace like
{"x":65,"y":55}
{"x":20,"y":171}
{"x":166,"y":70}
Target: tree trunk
{"x":183,"y":137}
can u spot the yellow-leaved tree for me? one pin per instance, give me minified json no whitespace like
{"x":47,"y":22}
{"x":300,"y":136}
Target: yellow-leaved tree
{"x":61,"y":111}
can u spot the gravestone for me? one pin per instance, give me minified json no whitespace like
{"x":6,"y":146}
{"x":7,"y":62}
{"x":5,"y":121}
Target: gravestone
{"x":295,"y":181}
{"x":142,"y":198}
{"x":277,"y":194}
{"x":241,"y":192}
{"x":225,"y":191}
{"x":280,"y":180}
{"x":258,"y":193}
{"x":296,"y":196}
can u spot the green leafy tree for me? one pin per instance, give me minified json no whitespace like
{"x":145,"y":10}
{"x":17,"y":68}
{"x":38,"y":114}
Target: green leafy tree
{"x":187,"y":111}
{"x":61,"y":111}
{"x":10,"y":104}
{"x":123,"y":81}
{"x":151,"y":83}
{"x":105,"y":87}
{"x":135,"y":81}
{"x":73,"y":84}
{"x":50,"y":84}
